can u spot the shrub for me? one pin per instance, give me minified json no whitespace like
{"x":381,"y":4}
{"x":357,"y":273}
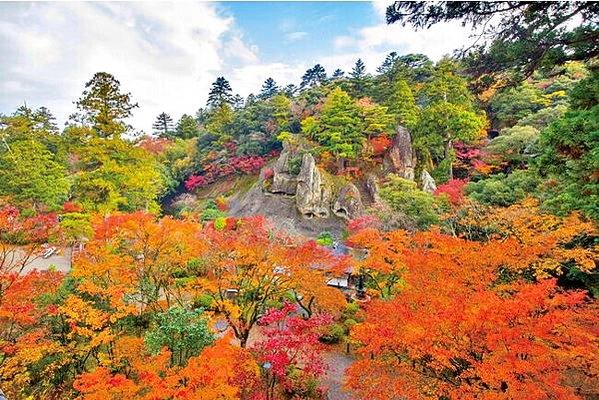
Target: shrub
{"x":325,"y":239}
{"x":334,"y":334}
{"x":504,"y":190}
{"x":403,"y":196}
{"x":454,"y":190}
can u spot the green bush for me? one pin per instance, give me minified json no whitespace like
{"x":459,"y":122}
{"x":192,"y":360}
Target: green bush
{"x":402,"y":195}
{"x":325,"y":239}
{"x":334,"y":335}
{"x":184,"y":332}
{"x":502,"y":189}
{"x":203,"y":301}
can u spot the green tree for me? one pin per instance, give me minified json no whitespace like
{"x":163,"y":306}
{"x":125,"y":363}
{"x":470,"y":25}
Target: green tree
{"x":516,"y":37}
{"x":402,"y":105}
{"x":443,"y":122}
{"x":387,"y":66}
{"x":111,"y":174}
{"x":187,"y":127}
{"x":515,"y":146}
{"x":338,"y":74}
{"x":220,"y":93}
{"x":359,"y":79}
{"x":570,"y":153}
{"x":504,"y":190}
{"x":338,"y":128}
{"x":449,"y":114}
{"x":313,"y":77}
{"x":32,"y":176}
{"x":269,"y":89}
{"x":375,"y":118}
{"x":421,"y":209}
{"x":163,"y":126}
{"x":184,"y":332}
{"x":104,"y":107}
{"x":220,"y":120}
{"x":513,"y":104}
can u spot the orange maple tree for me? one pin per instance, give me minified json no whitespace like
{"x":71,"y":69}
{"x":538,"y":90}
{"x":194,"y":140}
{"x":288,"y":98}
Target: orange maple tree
{"x":456,"y":331}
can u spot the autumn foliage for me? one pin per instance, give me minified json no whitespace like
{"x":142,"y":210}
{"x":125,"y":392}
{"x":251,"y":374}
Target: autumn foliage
{"x":476,"y":314}
{"x":458,"y":330}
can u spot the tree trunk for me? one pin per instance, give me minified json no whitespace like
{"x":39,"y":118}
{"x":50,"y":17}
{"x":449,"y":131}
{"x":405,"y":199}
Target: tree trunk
{"x":448,"y":158}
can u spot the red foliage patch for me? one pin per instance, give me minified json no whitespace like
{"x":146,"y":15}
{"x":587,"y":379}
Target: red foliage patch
{"x":454,"y":189}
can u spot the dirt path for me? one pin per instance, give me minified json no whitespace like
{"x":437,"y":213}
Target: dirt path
{"x":337,"y":362}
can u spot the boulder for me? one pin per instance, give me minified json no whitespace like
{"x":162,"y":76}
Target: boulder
{"x":427,"y":182}
{"x":283,"y":182}
{"x":313,"y":196}
{"x":372,"y":186}
{"x":400,"y":157}
{"x":349,"y":202}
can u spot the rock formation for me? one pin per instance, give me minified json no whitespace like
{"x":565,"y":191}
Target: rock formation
{"x":372,"y":186}
{"x":283,"y":182}
{"x":400,"y":157}
{"x":312,"y":195}
{"x":349,"y":202}
{"x":427,"y":182}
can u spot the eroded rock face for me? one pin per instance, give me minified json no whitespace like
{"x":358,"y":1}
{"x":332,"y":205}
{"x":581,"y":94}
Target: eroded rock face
{"x":372,"y":186}
{"x":400,"y":158}
{"x":427,"y":182}
{"x":349,"y":202}
{"x":312,"y":196}
{"x":283,"y":182}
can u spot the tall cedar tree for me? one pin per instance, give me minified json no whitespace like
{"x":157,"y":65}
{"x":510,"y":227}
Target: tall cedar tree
{"x":104,"y":106}
{"x":187,"y":127}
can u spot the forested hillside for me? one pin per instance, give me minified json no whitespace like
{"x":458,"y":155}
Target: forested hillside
{"x":435,"y":223}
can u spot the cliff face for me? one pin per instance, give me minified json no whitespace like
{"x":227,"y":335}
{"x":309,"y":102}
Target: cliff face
{"x":300,"y":198}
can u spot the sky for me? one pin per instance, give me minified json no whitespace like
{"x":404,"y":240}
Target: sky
{"x":168,"y":54}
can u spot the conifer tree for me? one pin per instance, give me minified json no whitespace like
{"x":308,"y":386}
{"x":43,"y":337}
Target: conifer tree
{"x":104,"y":106}
{"x":269,"y":89}
{"x":220,"y":92}
{"x":313,"y":77}
{"x":163,"y":126}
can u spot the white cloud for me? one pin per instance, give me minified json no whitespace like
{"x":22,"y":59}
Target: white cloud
{"x":439,"y":40}
{"x":295,"y":36}
{"x":166,"y":55}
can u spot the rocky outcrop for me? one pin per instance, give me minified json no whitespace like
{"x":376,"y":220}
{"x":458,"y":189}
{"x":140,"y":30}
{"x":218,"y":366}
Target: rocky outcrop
{"x":372,"y":187}
{"x":349,"y":202}
{"x":312,"y":196}
{"x":427,"y":182}
{"x":283,"y":182}
{"x":400,"y":157}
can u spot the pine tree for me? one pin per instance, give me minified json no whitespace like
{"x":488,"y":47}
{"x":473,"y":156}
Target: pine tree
{"x":359,"y":70}
{"x":220,"y":93}
{"x":313,"y":77}
{"x":104,"y":107}
{"x":269,"y":89}
{"x":290,"y":90}
{"x":338,"y":74}
{"x":388,"y":64}
{"x":358,"y":79}
{"x":163,"y":126}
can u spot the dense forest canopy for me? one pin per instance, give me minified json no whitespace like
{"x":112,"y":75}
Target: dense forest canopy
{"x":464,"y":191}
